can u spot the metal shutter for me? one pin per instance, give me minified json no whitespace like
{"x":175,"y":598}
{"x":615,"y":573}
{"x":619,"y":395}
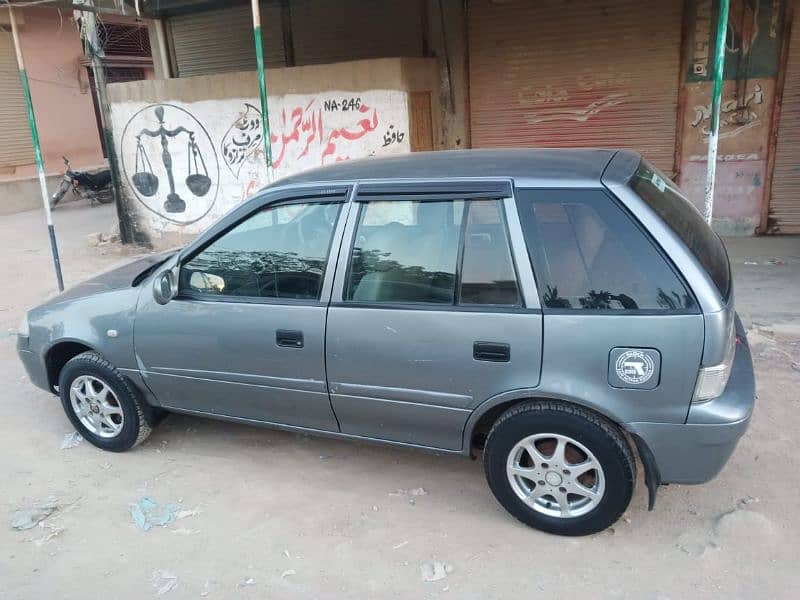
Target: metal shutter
{"x":557,"y":73}
{"x":326,"y":31}
{"x":217,"y":41}
{"x":784,"y":207}
{"x":16,"y":147}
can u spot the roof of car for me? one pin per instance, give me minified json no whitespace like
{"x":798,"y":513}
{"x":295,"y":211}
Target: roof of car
{"x":552,"y":164}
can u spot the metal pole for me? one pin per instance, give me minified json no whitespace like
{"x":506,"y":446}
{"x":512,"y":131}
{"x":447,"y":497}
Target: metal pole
{"x":262,"y":85}
{"x":97,"y":54}
{"x":26,"y":90}
{"x":716,"y":97}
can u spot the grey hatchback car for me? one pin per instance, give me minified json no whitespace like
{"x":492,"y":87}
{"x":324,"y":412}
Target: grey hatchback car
{"x":560,"y":311}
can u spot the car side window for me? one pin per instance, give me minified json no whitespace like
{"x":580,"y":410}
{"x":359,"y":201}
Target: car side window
{"x":405,"y":251}
{"x":409,"y":252}
{"x":487,"y":270}
{"x":279,"y":252}
{"x":588,"y":253}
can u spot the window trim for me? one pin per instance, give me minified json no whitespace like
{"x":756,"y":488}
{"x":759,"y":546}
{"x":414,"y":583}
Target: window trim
{"x":520,"y":295}
{"x":434,"y":190}
{"x":360,"y":204}
{"x":534,"y":261}
{"x":339,"y":196}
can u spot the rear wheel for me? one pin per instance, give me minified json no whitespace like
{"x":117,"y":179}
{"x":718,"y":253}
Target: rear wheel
{"x":104,"y":196}
{"x":559,"y":468}
{"x":101,"y":404}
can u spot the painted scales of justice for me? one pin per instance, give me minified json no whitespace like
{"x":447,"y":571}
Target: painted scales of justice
{"x":146,"y":181}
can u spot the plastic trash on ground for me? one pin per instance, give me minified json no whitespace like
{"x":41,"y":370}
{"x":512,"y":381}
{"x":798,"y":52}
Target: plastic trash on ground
{"x":30,"y":516}
{"x":147,"y":513}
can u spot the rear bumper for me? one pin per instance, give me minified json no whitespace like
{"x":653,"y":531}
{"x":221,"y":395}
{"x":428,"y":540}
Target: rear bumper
{"x":696,"y":451}
{"x":34,"y":365}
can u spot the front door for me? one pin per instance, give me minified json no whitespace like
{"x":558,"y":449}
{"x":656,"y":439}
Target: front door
{"x":245,"y":335}
{"x":432,"y":313}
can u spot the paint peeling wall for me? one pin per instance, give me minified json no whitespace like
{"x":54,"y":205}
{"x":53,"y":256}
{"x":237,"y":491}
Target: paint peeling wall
{"x":186,"y":157}
{"x":748,"y":96}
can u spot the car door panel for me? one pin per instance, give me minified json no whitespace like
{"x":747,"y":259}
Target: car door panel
{"x":232,"y":365}
{"x":221,"y":350}
{"x":410,"y":375}
{"x":408,"y":372}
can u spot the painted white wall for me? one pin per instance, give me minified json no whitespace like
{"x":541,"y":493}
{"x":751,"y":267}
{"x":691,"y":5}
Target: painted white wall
{"x":217,"y":151}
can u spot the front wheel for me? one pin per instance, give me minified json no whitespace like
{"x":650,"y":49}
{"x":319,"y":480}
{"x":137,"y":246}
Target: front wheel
{"x":101,"y":403}
{"x":59,"y":193}
{"x":559,"y":468}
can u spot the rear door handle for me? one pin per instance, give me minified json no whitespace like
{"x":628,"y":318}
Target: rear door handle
{"x":289,"y":338}
{"x":491,"y":351}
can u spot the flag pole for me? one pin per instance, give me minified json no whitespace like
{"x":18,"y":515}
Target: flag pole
{"x":37,"y":150}
{"x":262,"y":84}
{"x":716,"y":98}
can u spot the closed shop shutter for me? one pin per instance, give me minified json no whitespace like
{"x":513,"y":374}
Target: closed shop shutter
{"x":16,"y":147}
{"x":218,"y":41}
{"x":326,"y":31}
{"x":784,"y":207}
{"x":567,"y":73}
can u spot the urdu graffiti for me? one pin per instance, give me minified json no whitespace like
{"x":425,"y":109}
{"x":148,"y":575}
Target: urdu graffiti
{"x":736,"y":116}
{"x":313,"y":131}
{"x":188,"y":163}
{"x":591,"y":94}
{"x":243,"y":140}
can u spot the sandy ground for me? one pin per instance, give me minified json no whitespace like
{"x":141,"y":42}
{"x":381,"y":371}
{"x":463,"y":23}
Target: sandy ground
{"x":287,"y":516}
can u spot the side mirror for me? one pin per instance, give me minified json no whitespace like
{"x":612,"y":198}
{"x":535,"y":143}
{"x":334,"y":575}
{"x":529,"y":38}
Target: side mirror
{"x":165,"y":287}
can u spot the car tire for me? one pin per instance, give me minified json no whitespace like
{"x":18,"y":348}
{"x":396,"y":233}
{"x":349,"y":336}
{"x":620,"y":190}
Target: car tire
{"x":534,"y":457}
{"x":112,"y":420}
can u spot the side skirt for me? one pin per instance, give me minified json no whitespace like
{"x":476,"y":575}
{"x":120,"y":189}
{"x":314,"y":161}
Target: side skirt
{"x":318,"y":432}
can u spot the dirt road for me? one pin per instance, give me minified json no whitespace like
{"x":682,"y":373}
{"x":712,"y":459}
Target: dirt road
{"x":280,"y":515}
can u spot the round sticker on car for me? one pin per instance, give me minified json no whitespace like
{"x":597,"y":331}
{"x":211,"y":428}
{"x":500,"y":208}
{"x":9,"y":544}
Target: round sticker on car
{"x":634,"y":367}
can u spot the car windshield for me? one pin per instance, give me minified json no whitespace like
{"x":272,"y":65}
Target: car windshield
{"x":686,"y":221}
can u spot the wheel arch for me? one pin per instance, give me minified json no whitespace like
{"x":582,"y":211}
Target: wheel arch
{"x":488,"y":411}
{"x":59,"y":353}
{"x":486,"y":414}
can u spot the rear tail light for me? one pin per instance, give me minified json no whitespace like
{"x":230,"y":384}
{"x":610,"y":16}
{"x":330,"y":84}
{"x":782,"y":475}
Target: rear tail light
{"x":711,"y":381}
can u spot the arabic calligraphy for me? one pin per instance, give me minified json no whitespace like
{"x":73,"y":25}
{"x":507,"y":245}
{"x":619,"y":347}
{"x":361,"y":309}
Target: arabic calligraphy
{"x":300,"y":134}
{"x":243,"y":140}
{"x":392,"y":136}
{"x":738,"y":117}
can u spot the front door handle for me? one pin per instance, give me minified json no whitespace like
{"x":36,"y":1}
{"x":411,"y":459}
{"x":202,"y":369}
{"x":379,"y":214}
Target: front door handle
{"x":491,"y":351}
{"x":289,"y":338}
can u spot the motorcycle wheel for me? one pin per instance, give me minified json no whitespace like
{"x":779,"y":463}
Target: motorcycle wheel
{"x":59,"y":194}
{"x":105,"y":196}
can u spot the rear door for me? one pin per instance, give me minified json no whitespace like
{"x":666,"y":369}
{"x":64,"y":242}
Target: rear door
{"x":434,"y":310}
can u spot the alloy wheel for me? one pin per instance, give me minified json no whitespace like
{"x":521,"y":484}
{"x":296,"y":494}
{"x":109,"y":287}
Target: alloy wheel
{"x":96,"y":406}
{"x":555,"y":475}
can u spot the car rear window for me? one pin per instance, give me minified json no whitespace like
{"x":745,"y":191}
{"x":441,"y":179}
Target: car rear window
{"x":589,"y":254}
{"x":685,"y":220}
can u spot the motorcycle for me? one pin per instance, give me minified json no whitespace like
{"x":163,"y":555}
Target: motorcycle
{"x":94,"y":187}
